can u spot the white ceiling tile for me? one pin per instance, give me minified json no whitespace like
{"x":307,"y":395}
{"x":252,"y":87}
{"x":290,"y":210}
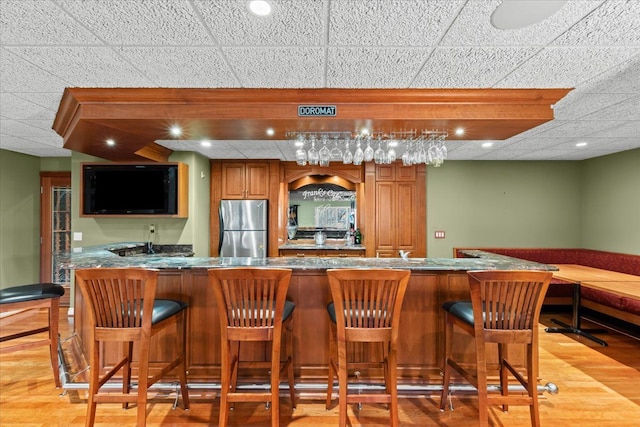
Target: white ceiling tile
{"x":628,"y":109}
{"x":390,"y":23}
{"x":621,"y":78}
{"x":17,"y":128}
{"x":576,"y":104}
{"x":613,"y":22}
{"x":373,"y":67}
{"x":473,"y":26}
{"x":48,"y":100}
{"x":18,"y":75}
{"x":181,"y":66}
{"x":277,"y":67}
{"x":565,"y":67}
{"x":15,"y":107}
{"x":291,"y":23}
{"x":469,"y":67}
{"x":157,"y":22}
{"x":630,"y":129}
{"x":85,"y":66}
{"x":575,"y":128}
{"x":40,"y":22}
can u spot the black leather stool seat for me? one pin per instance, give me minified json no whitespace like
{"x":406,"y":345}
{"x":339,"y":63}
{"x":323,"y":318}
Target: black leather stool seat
{"x":461,"y":309}
{"x":165,"y":308}
{"x":30,"y":292}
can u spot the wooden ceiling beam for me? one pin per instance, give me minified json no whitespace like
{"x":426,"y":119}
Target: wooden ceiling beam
{"x":137,"y":117}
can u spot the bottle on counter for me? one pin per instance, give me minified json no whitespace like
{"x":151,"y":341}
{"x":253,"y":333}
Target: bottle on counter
{"x":358,"y":237}
{"x":352,"y":236}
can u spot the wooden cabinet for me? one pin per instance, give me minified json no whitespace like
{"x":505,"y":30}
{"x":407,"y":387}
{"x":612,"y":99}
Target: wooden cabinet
{"x":238,"y":180}
{"x":399,"y":210}
{"x":245,"y":180}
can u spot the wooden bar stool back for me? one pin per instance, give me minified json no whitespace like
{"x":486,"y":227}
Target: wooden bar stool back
{"x":370,"y":301}
{"x":22,"y":300}
{"x":123,"y":308}
{"x":253,"y":307}
{"x":504,"y":309}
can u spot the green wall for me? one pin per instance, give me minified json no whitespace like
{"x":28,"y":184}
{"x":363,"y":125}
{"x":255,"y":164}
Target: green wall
{"x":500,"y":203}
{"x":593,"y":204}
{"x":610,"y":206}
{"x":19,"y":219}
{"x":20,"y":215}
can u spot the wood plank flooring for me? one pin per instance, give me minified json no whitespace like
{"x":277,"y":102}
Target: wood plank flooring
{"x":599,"y":386}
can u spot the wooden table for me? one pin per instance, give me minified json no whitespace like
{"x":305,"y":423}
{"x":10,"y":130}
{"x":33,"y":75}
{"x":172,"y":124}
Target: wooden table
{"x":596,"y":278}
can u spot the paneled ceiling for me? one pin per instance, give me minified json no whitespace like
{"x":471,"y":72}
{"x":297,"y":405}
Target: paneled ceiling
{"x":590,"y":45}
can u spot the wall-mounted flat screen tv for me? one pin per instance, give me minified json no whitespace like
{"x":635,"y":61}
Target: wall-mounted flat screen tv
{"x":130,"y":189}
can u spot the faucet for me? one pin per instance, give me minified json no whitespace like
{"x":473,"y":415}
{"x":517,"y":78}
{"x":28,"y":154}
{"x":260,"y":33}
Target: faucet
{"x":152,"y":230}
{"x":404,"y":254}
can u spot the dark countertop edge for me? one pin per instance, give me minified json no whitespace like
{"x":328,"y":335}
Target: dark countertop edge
{"x":100,"y":256}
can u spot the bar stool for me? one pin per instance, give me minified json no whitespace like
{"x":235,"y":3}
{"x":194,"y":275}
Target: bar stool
{"x":253,"y":307}
{"x":504,"y":309}
{"x":32,"y":297}
{"x":119,"y":300}
{"x":370,"y":301}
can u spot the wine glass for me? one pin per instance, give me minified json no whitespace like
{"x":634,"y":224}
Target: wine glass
{"x":378,"y":155}
{"x":347,"y":157}
{"x":313,"y":153}
{"x":358,"y":156}
{"x":324,"y":153}
{"x":368,"y":152}
{"x":391,"y":152}
{"x":336,"y":153}
{"x":301,"y":156}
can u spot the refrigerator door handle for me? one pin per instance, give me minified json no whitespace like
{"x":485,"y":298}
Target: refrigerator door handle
{"x":220,"y":231}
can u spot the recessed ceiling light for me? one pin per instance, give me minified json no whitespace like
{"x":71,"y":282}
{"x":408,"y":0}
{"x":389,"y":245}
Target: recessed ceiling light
{"x":260,"y":7}
{"x":487,"y":144}
{"x":459,"y":131}
{"x":581,"y":144}
{"x":364,"y":131}
{"x":205,"y":143}
{"x":270,"y":132}
{"x":514,"y":14}
{"x":110,"y":142}
{"x":175,"y":130}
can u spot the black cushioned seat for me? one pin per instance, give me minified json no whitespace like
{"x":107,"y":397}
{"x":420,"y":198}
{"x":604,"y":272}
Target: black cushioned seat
{"x":30,"y":292}
{"x":461,"y":309}
{"x":23,"y":299}
{"x":165,"y":308}
{"x":331,"y":309}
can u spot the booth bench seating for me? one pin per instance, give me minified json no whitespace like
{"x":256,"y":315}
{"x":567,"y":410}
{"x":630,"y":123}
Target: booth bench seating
{"x":623,"y":308}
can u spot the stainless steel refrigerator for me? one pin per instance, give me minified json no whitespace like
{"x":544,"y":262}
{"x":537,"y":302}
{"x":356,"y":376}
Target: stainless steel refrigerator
{"x":243,"y":228}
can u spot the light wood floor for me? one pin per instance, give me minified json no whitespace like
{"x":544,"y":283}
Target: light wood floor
{"x":599,"y":386}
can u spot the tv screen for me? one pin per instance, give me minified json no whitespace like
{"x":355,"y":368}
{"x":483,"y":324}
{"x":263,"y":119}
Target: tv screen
{"x":119,"y":189}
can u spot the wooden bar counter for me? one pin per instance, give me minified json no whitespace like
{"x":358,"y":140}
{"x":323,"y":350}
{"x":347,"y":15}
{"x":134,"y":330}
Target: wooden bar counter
{"x":433,"y":281}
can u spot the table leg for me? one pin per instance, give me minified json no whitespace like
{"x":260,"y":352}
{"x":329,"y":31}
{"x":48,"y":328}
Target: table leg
{"x":575,"y":328}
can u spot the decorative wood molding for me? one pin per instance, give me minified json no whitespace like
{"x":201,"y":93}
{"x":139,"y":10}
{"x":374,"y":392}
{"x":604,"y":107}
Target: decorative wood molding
{"x":137,"y":117}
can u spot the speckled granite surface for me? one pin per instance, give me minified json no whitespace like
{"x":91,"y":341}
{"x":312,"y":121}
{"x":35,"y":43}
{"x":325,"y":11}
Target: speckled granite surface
{"x":106,"y":256}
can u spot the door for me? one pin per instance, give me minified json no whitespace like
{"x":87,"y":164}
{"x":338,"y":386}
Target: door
{"x":55,"y":228}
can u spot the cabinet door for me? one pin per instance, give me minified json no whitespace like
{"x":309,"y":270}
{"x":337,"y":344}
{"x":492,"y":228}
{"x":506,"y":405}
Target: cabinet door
{"x":245,"y":180}
{"x":233,"y":180}
{"x":257,"y":181}
{"x":386,"y":212}
{"x":406,"y":229}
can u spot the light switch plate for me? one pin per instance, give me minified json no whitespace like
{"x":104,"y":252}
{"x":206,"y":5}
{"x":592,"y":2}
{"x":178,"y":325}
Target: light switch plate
{"x":77,"y":236}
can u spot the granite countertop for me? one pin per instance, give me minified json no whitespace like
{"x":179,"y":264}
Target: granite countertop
{"x":108,"y":256}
